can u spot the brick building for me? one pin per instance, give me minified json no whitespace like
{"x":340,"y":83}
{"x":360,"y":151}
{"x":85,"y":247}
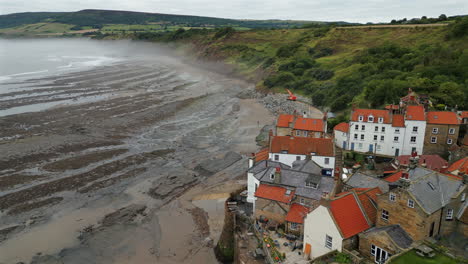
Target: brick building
{"x":442,"y":131}
{"x":299,"y":126}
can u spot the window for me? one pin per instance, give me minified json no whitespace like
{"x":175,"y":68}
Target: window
{"x":433,"y":139}
{"x":413,"y":140}
{"x":385,"y":215}
{"x":305,"y":133}
{"x":397,"y":131}
{"x":449,"y":141}
{"x":311,"y":185}
{"x":360,"y":145}
{"x":380,"y":119}
{"x":356,"y":127}
{"x":272,"y":176}
{"x":463,"y":197}
{"x":376,"y":129}
{"x":327,"y":161}
{"x":361,"y":118}
{"x":363,"y":127}
{"x":435,"y":130}
{"x":375,"y":137}
{"x":355,"y":136}
{"x":328,"y":241}
{"x":410,"y":203}
{"x":449,"y":215}
{"x":302,"y":201}
{"x":293,"y":226}
{"x":276,"y":157}
{"x":452,"y":131}
{"x":362,"y":137}
{"x":415,"y":129}
{"x":372,"y":250}
{"x":392,"y":197}
{"x":395,"y":139}
{"x":383,"y":129}
{"x":298,"y":133}
{"x":382,"y":138}
{"x":298,"y":157}
{"x":370,"y":119}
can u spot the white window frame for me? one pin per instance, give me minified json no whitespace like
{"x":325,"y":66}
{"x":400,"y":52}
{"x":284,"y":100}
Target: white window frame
{"x":305,"y":133}
{"x":298,"y":133}
{"x":392,"y":197}
{"x":463,"y":197}
{"x":380,"y":120}
{"x":302,"y":201}
{"x":385,"y":215}
{"x":433,"y":140}
{"x":272,"y":176}
{"x":311,"y":185}
{"x":449,"y":141}
{"x":372,"y":250}
{"x":395,"y":139}
{"x":415,"y":129}
{"x":411,"y":139}
{"x":327,"y":161}
{"x":370,"y":119}
{"x":375,"y":137}
{"x":449,"y":215}
{"x":276,"y":157}
{"x":361,"y":118}
{"x":397,"y":131}
{"x":376,"y":129}
{"x":363,"y":127}
{"x":452,"y":131}
{"x":356,"y":136}
{"x":298,"y":157}
{"x":383,"y":129}
{"x":362,"y":136}
{"x":360,"y":145}
{"x":328,"y":241}
{"x":356,"y":127}
{"x":410,"y":203}
{"x":435,"y":130}
{"x":293,"y":226}
{"x":382,"y":138}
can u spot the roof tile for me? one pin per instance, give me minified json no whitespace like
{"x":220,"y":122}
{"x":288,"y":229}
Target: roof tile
{"x":343,"y":127}
{"x":348,"y":215}
{"x":297,"y":213}
{"x":415,"y":113}
{"x":274,"y":193}
{"x":284,"y":120}
{"x":444,"y":118}
{"x":302,"y":145}
{"x":398,"y":121}
{"x":309,"y":124}
{"x":374,"y":112}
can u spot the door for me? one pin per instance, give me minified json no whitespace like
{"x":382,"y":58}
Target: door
{"x":344,"y":144}
{"x":431,"y":231}
{"x":308,"y":249}
{"x":397,"y":152}
{"x":371,"y":148}
{"x":352,"y":146}
{"x":380,"y":255}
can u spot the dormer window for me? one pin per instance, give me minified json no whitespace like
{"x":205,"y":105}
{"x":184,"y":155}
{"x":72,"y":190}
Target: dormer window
{"x":370,"y":119}
{"x":361,"y":118}
{"x":380,"y":119}
{"x":272,"y":176}
{"x":311,"y":185}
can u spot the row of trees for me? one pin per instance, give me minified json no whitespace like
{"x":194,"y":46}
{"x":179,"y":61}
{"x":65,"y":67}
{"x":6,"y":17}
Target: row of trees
{"x":422,"y":20}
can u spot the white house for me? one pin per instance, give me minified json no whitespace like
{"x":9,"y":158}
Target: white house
{"x":382,"y":132}
{"x":415,"y":123}
{"x":341,"y":135}
{"x":334,"y":224}
{"x":286,"y":149}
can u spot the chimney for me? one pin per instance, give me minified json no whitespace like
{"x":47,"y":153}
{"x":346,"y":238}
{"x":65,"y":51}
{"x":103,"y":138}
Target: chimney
{"x":277,"y":179}
{"x":304,"y":114}
{"x":444,"y":169}
{"x":251,"y":160}
{"x":405,"y":176}
{"x":270,"y":139}
{"x":465,"y":178}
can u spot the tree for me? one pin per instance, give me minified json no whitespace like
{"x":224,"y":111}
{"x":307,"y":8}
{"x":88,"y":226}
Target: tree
{"x":442,"y":17}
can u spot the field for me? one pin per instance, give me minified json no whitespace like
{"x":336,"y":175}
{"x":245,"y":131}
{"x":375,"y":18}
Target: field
{"x":411,"y":257}
{"x":38,"y":28}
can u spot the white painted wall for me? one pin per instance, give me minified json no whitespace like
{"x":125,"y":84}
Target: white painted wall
{"x":287,"y":159}
{"x":419,"y":145}
{"x":252,"y":185}
{"x":341,"y":137}
{"x":320,"y":160}
{"x":318,"y":224}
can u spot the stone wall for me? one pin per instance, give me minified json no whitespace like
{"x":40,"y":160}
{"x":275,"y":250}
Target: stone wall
{"x":413,"y":220}
{"x":441,"y":147}
{"x":379,"y":239}
{"x":271,"y":209}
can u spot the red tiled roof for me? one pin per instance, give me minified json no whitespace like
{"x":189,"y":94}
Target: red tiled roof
{"x":297,"y":213}
{"x":274,"y":193}
{"x":344,"y":127}
{"x":261,"y":155}
{"x":445,"y":118}
{"x":302,"y":145}
{"x":415,"y":112}
{"x":433,"y":162}
{"x":398,"y":121}
{"x":394,"y":177}
{"x":460,"y":165}
{"x":392,"y":107}
{"x":367,"y":112}
{"x":464,"y":114}
{"x":284,"y":120}
{"x":309,"y":124}
{"x":348,"y":215}
{"x":368,"y":200}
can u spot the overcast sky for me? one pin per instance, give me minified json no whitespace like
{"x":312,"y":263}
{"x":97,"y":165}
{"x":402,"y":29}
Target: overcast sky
{"x":318,"y":10}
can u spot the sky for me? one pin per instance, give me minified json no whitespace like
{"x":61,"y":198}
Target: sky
{"x":315,"y":10}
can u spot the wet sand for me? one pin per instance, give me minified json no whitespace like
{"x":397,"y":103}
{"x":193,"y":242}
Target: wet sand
{"x":147,"y":136}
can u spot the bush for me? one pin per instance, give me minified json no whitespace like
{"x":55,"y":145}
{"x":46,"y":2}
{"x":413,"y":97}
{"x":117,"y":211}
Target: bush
{"x":319,"y":74}
{"x":287,"y":50}
{"x":226,"y":31}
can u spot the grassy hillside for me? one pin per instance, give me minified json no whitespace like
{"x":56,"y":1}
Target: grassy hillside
{"x":339,"y":67}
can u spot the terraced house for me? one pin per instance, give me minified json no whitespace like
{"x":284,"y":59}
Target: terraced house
{"x":441,"y":133}
{"x":300,"y":126}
